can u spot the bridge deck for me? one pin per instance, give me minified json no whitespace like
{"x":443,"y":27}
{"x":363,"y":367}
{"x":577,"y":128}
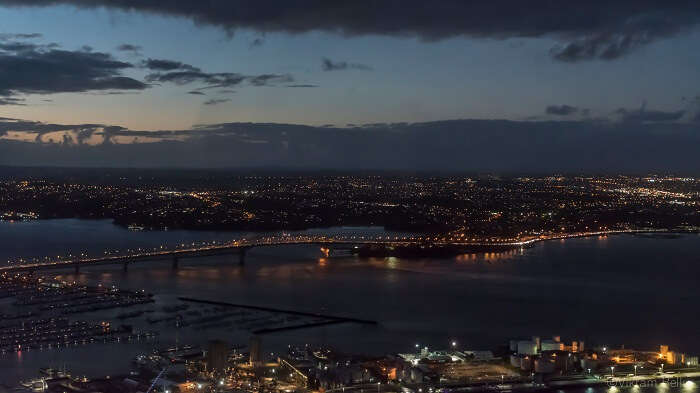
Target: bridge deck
{"x":243,"y":245}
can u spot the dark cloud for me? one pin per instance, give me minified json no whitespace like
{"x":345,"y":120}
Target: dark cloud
{"x":67,"y":139}
{"x":38,"y":129}
{"x":302,"y":85}
{"x":27,"y":68}
{"x":47,"y":71}
{"x":171,"y":71}
{"x":268,"y":79}
{"x":110,"y":93}
{"x":196,"y":92}
{"x":83,"y":134}
{"x":211,"y":80}
{"x":456,"y":145}
{"x":330,"y":65}
{"x":109,"y":132}
{"x":561,"y":110}
{"x":20,"y":36}
{"x":602,"y":46}
{"x":14,"y":43}
{"x":256,"y":42}
{"x":216,"y":101}
{"x":643,"y":115}
{"x":12,"y":101}
{"x":134,"y":49}
{"x":129,"y":47}
{"x":217,"y":80}
{"x":167,"y":65}
{"x":594,"y":29}
{"x":17,"y":46}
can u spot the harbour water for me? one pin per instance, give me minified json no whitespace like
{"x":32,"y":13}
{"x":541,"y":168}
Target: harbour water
{"x":640,"y":291}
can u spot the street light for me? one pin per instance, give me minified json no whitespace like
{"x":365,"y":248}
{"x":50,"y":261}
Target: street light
{"x":612,"y":371}
{"x":635,"y":370}
{"x":454,"y":344}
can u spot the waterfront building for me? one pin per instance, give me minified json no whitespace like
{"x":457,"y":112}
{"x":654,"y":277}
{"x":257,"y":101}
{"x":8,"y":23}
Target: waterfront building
{"x":551,"y":345}
{"x":217,"y":356}
{"x":527,"y":348}
{"x":255,"y":351}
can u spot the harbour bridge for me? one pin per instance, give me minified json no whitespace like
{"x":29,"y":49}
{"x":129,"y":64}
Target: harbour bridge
{"x":240,"y":247}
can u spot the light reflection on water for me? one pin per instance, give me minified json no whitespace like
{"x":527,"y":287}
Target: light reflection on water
{"x":601,"y":290}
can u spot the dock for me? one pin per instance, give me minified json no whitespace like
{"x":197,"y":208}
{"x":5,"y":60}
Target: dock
{"x":331,"y":319}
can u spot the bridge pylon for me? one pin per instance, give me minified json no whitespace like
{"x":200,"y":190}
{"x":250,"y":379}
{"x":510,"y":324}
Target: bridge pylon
{"x":77,"y":268}
{"x":241,"y":255}
{"x":126,"y":266}
{"x":176,"y":262}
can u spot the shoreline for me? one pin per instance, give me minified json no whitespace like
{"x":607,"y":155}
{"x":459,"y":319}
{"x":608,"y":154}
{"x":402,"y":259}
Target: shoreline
{"x":573,"y":382}
{"x":620,"y":232}
{"x":451,"y":249}
{"x":676,"y":379}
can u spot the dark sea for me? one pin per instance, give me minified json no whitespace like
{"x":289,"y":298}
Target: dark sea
{"x":634,"y":290}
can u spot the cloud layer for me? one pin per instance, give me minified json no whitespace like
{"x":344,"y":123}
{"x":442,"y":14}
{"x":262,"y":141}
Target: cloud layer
{"x":594,"y":29}
{"x":27,"y":68}
{"x":330,"y":65}
{"x":457,"y":145}
{"x":561,"y":110}
{"x":30,"y":68}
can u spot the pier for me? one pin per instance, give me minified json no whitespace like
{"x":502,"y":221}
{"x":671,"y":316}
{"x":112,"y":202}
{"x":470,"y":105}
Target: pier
{"x":331,"y":319}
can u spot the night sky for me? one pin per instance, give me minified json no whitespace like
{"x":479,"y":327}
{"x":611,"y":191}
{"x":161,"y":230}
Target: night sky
{"x":595,"y":86}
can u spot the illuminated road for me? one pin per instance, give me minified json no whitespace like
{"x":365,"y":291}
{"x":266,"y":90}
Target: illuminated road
{"x":240,"y":246}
